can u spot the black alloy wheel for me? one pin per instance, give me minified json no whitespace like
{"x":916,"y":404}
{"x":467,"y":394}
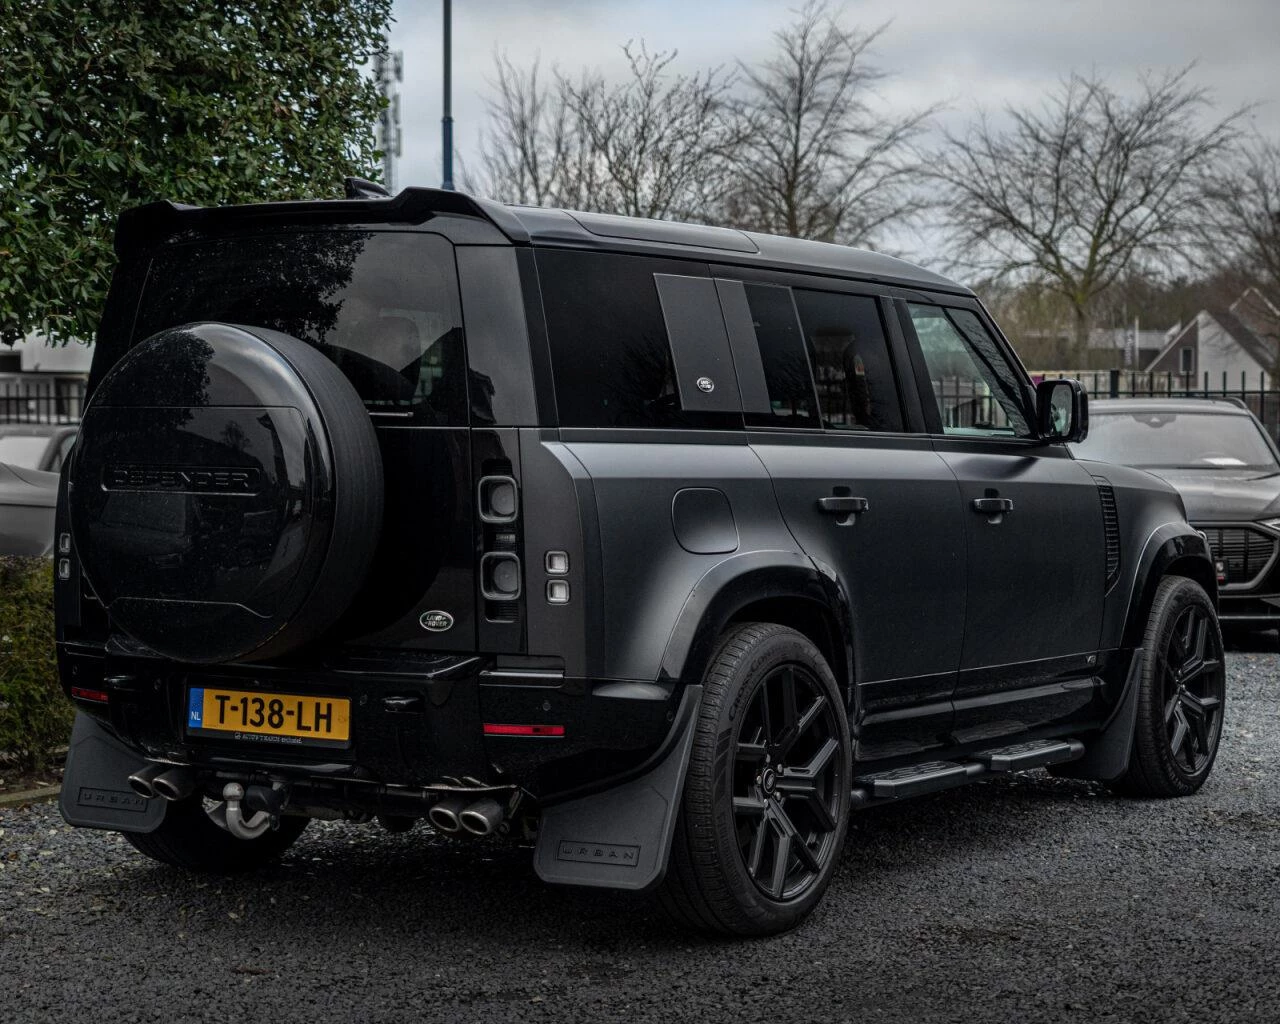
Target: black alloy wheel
{"x":766,"y":796}
{"x":787,"y":782}
{"x":1181,"y":696}
{"x":1194,"y":690}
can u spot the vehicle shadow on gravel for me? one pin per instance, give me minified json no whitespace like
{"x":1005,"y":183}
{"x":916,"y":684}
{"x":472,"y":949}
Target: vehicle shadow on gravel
{"x":1263,"y":642}
{"x":348,"y":884}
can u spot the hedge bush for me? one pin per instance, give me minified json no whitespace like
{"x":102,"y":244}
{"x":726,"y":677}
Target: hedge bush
{"x":35,"y":717}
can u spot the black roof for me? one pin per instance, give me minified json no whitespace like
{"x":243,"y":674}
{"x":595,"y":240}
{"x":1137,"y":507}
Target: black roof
{"x":523,"y":225}
{"x":718,"y":244}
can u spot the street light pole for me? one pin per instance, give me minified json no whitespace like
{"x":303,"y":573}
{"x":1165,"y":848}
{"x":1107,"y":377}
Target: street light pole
{"x":446,"y":122}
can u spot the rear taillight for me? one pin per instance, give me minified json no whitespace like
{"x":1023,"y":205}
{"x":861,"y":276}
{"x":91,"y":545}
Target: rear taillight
{"x":503,"y":729}
{"x":85,"y":693}
{"x":501,"y":572}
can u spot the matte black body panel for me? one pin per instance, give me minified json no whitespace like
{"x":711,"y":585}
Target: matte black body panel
{"x":1155,"y":539}
{"x":559,"y":487}
{"x":733,"y":584}
{"x":645,"y":573}
{"x":902,"y":562}
{"x":1028,"y":570}
{"x":426,"y":558}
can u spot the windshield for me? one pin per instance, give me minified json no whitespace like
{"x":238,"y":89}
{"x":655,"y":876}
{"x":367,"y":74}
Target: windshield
{"x":1161,"y":439}
{"x":22,"y":450}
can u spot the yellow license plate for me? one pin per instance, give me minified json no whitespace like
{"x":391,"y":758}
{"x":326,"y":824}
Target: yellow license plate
{"x":290,"y":719}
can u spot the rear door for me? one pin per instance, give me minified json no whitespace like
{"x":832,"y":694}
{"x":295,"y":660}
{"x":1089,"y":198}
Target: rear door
{"x":861,"y":490}
{"x":1033,"y":526}
{"x":383,"y":306}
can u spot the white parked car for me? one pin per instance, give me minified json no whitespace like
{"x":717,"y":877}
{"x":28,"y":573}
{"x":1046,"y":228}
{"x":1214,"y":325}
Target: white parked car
{"x":27,"y":499}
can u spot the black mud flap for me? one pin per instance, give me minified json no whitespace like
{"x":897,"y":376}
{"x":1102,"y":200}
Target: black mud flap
{"x":95,"y":787}
{"x":621,"y":838}
{"x":1106,"y":756}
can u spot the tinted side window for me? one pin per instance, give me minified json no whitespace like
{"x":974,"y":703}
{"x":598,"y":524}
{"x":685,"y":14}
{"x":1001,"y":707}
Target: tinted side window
{"x":850,"y":356}
{"x":609,"y":350}
{"x":382,"y":306}
{"x":787,"y":374}
{"x":976,"y":389}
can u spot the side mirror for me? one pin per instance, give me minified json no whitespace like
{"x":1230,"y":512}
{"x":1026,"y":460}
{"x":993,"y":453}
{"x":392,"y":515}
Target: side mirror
{"x":1062,"y":407}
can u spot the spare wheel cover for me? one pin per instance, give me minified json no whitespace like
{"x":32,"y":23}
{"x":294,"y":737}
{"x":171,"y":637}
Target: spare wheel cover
{"x":226,"y":493}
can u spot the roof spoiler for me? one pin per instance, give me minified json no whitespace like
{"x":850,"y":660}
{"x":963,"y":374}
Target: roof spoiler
{"x":142,"y":227}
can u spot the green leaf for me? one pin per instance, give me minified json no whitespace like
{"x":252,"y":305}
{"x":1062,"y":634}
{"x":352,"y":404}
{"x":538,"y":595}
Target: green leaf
{"x":105,"y":105}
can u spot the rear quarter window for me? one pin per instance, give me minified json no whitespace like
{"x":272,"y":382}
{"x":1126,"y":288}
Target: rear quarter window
{"x":382,"y":306}
{"x":610,"y":351}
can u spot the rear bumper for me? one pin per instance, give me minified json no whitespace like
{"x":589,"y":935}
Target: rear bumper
{"x":413,"y":724}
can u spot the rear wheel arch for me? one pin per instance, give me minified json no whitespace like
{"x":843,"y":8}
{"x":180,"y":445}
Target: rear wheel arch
{"x":790,"y":592}
{"x":811,"y":619}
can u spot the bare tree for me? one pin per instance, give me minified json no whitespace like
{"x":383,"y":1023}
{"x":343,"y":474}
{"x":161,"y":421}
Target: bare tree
{"x":533,"y":151}
{"x":1242,"y":236}
{"x":1086,"y":187}
{"x":1243,"y":213}
{"x":659,"y":139}
{"x":652,"y":145}
{"x":818,"y":158}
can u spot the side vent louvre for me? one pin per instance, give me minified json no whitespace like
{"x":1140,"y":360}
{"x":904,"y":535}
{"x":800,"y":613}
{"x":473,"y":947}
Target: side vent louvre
{"x":1111,"y":528}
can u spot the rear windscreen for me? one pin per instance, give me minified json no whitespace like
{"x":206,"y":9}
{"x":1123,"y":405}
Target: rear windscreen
{"x":382,"y":306}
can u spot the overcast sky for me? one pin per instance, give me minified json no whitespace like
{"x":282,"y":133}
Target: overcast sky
{"x":966,"y":53}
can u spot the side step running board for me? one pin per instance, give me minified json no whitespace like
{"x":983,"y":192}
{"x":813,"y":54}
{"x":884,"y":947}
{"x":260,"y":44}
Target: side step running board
{"x":933,"y":776}
{"x":1025,"y":756}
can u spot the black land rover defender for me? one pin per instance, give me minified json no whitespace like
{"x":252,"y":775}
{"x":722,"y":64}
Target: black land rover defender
{"x":667,"y":547}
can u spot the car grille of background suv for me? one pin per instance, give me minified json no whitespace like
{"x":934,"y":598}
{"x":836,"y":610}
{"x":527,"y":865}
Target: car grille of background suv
{"x":1243,"y":550}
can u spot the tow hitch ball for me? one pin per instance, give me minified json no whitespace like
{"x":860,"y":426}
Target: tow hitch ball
{"x":263,"y":804}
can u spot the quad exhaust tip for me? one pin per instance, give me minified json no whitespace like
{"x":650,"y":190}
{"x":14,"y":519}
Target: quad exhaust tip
{"x":481,"y":817}
{"x":444,"y":814}
{"x":453,"y":815}
{"x":174,"y":784}
{"x":142,"y":781}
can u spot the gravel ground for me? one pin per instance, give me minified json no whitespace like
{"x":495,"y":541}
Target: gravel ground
{"x":1027,"y":899}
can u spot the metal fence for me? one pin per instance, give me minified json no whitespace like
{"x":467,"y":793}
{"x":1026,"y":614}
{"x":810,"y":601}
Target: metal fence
{"x":29,"y":398}
{"x":53,"y":398}
{"x":1257,"y":392}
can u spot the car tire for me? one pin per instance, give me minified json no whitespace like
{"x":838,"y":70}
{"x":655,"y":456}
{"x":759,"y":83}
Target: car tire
{"x":188,"y":839}
{"x":766,"y":798}
{"x":1181,"y":695}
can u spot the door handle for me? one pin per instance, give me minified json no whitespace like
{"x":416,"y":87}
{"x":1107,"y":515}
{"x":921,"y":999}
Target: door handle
{"x":845,"y":507}
{"x":992,"y":506}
